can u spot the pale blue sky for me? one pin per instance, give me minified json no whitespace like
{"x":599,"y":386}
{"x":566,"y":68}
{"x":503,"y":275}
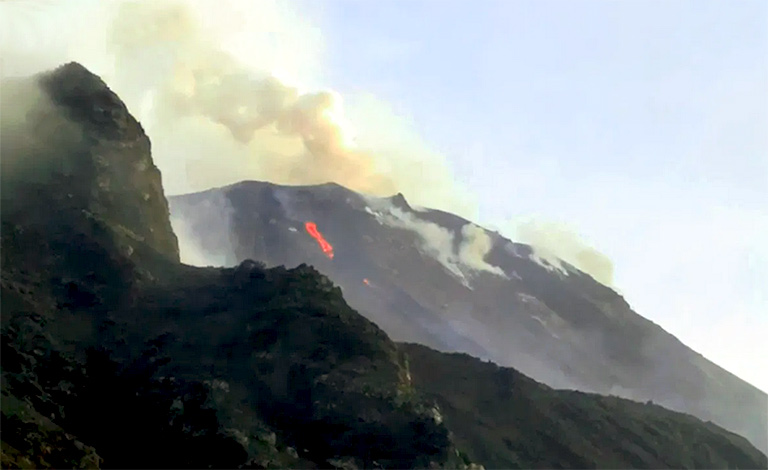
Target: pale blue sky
{"x":609,"y":86}
{"x":643,"y":124}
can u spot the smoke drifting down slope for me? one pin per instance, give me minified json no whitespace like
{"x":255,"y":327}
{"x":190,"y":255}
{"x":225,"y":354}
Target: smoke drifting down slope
{"x":439,"y":242}
{"x":556,"y":243}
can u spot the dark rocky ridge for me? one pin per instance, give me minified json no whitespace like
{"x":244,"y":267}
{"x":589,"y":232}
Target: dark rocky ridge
{"x":99,"y":153}
{"x":562,"y":429}
{"x":115,"y":354}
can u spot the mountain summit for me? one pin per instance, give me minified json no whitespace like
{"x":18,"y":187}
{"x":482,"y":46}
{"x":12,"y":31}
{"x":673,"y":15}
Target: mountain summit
{"x":95,"y":156}
{"x":433,"y":278}
{"x":116,"y":355}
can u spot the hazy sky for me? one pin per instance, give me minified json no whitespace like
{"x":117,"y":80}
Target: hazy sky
{"x":642,"y":125}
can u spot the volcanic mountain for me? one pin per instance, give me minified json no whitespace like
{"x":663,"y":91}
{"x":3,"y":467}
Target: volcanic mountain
{"x":117,"y":355}
{"x":433,"y":278}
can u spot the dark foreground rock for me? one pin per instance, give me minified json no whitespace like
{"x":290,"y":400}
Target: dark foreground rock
{"x":115,"y":355}
{"x":504,"y":419}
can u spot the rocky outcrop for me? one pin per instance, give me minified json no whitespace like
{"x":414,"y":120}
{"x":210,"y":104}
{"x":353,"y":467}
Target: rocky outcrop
{"x":70,"y":143}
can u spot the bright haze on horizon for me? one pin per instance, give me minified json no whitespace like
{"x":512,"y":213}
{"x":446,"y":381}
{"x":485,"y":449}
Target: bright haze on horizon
{"x":637,"y":128}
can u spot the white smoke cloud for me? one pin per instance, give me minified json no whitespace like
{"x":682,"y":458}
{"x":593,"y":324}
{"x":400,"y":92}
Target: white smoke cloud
{"x":439,"y":242}
{"x":224,"y":89}
{"x":475,"y":245}
{"x":555,"y":242}
{"x":436,"y":241}
{"x":203,"y":228}
{"x":191,"y":250}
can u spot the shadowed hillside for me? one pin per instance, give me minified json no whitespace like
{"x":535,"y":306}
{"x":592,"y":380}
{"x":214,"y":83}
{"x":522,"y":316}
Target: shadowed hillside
{"x":491,"y":408}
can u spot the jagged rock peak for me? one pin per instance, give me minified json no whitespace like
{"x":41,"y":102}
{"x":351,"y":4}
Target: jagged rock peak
{"x":95,"y":153}
{"x":398,"y":200}
{"x":89,"y":101}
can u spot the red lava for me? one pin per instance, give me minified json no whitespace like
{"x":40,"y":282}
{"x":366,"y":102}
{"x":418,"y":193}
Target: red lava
{"x":324,"y":245}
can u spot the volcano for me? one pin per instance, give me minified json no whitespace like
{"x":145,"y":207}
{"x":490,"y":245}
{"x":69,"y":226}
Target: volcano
{"x":115,"y":354}
{"x":553,"y":323}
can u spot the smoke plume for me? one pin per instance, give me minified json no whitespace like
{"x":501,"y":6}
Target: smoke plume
{"x":439,"y":242}
{"x":475,"y":245}
{"x":556,"y":242}
{"x":282,"y":134}
{"x":223,"y":89}
{"x":227,"y":90}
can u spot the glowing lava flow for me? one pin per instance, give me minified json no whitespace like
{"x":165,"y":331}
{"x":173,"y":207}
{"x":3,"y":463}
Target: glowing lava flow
{"x":324,"y":245}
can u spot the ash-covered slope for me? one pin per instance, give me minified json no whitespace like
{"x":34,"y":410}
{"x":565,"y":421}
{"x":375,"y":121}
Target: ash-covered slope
{"x":116,"y":355}
{"x":418,"y":275}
